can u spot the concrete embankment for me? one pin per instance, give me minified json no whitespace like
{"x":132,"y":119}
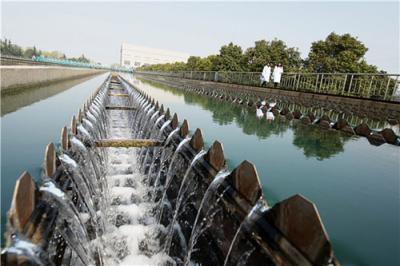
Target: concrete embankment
{"x":16,"y":77}
{"x":374,"y":109}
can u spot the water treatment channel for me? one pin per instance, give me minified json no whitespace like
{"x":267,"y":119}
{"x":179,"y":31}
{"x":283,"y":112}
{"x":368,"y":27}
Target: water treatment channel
{"x":355,"y":185}
{"x":30,"y":119}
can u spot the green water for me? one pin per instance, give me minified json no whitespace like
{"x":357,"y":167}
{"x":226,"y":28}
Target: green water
{"x":354,"y":184}
{"x":30,"y":120}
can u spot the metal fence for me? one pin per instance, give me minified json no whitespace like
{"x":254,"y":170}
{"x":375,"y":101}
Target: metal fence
{"x":13,"y":60}
{"x":48,"y":61}
{"x":370,"y":86}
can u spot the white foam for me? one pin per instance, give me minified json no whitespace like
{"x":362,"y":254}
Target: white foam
{"x":157,"y":259}
{"x":135,"y":243}
{"x":120,"y":169}
{"x":119,"y":180}
{"x":124,"y":194}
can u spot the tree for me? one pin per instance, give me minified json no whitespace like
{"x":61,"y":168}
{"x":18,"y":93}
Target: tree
{"x":338,"y":53}
{"x":204,"y":64}
{"x":8,"y":48}
{"x":83,"y":59}
{"x":273,"y":52}
{"x":196,"y":63}
{"x":230,"y":58}
{"x":214,"y":61}
{"x":178,"y":66}
{"x":258,"y":56}
{"x":192,"y":63}
{"x":30,"y":52}
{"x":52,"y":54}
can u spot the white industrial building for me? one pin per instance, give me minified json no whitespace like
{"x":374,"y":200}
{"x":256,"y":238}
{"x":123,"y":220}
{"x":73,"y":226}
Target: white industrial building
{"x":137,"y":56}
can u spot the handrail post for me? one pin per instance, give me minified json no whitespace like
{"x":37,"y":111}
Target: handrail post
{"x":370,"y":87}
{"x":316,"y":83}
{"x":387,"y":88}
{"x":344,"y":84}
{"x":396,"y":86}
{"x":320,"y":83}
{"x":351,"y":82}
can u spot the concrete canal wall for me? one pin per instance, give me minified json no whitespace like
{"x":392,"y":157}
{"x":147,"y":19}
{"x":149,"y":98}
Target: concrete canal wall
{"x":16,"y":77}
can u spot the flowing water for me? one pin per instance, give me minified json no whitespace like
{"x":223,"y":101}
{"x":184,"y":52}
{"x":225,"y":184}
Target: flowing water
{"x":116,"y":216}
{"x":30,"y":120}
{"x":354,"y":184}
{"x":132,"y":234}
{"x":105,"y":214}
{"x":200,"y":225}
{"x":185,"y":185}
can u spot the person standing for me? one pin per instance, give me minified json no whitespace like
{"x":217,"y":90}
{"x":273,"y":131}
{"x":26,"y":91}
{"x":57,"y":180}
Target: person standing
{"x":265,"y":75}
{"x":277,"y":74}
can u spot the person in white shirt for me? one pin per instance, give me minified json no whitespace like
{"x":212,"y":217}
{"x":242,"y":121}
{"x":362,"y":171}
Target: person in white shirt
{"x":265,"y":75}
{"x":277,"y":74}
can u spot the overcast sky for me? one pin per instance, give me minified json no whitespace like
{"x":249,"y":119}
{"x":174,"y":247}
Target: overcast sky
{"x":98,"y":29}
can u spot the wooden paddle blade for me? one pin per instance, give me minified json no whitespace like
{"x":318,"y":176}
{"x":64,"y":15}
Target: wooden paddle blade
{"x":64,"y":139}
{"x":50,"y":160}
{"x":174,"y":121}
{"x":73,"y":125}
{"x":215,"y":156}
{"x":184,"y":130}
{"x":246,"y":181}
{"x":298,"y":220}
{"x":197,"y":141}
{"x":23,"y":202}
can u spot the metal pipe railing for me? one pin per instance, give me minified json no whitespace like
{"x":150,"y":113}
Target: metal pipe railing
{"x":383,"y":87}
{"x":7,"y":60}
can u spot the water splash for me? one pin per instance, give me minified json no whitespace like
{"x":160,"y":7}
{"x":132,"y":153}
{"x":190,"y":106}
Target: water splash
{"x":75,"y":233}
{"x":199,"y":226}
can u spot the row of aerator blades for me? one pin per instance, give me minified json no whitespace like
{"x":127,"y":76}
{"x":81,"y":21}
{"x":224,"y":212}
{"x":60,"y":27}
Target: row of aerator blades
{"x":226,"y":221}
{"x":360,"y":107}
{"x":364,"y":85}
{"x":300,"y":111}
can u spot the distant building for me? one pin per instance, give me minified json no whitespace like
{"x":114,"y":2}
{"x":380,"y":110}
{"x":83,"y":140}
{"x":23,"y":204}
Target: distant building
{"x":137,"y":56}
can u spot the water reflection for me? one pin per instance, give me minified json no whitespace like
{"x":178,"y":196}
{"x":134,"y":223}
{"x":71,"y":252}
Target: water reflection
{"x":319,"y":143}
{"x":18,"y":98}
{"x":347,"y":178}
{"x":313,"y":140}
